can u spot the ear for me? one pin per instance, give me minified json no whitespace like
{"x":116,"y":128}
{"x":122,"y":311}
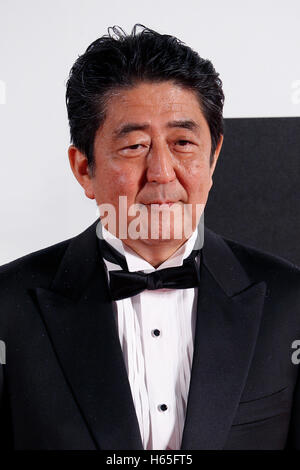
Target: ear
{"x":216,"y":155}
{"x":79,"y":166}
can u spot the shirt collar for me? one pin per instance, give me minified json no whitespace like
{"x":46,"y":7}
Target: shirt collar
{"x":137,"y":263}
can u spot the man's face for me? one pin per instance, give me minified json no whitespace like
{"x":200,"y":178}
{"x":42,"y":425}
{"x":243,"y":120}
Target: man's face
{"x":153,"y":147}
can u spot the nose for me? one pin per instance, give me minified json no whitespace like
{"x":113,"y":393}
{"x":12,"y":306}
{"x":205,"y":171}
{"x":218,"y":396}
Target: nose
{"x":160,"y":165}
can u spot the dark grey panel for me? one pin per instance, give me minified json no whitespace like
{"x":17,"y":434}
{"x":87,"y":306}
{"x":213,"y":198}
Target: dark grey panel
{"x":255,"y":198}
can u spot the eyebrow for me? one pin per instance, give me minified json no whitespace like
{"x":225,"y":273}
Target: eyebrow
{"x":125,"y":129}
{"x":185,"y":124}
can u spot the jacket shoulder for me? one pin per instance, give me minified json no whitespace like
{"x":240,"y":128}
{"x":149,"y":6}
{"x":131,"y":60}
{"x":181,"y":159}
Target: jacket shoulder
{"x":264,"y":265}
{"x":34,"y":268}
{"x":38,"y":269}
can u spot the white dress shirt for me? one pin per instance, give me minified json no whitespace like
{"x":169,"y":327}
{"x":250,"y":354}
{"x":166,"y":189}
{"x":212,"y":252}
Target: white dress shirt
{"x":156,"y":331}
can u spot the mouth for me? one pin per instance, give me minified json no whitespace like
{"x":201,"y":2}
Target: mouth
{"x":160,"y":203}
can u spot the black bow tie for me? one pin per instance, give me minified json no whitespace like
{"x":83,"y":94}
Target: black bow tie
{"x":124,"y":283}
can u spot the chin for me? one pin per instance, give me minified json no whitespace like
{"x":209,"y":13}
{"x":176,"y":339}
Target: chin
{"x":160,"y":242}
{"x":158,"y":235}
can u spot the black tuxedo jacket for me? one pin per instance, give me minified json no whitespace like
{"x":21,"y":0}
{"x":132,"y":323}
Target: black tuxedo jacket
{"x":65,"y":386}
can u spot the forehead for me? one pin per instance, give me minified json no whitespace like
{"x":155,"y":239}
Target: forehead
{"x":153,"y":103}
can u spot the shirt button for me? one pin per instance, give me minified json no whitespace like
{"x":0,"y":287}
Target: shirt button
{"x":155,"y":332}
{"x":162,"y":407}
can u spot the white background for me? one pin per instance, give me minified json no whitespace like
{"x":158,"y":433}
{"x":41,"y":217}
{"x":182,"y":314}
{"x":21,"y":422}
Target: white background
{"x":254,"y":45}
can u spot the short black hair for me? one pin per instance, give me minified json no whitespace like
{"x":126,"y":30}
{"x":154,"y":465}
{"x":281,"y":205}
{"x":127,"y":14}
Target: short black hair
{"x":119,"y":60}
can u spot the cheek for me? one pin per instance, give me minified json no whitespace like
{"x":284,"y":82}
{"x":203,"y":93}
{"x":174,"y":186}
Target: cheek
{"x":196,"y":181}
{"x":115,"y":180}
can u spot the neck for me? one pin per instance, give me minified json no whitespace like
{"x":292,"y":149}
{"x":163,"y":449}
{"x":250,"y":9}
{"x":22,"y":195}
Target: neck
{"x":154,"y":252}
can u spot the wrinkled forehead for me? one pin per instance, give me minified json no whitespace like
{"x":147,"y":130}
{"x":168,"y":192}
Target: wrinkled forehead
{"x":150,"y":104}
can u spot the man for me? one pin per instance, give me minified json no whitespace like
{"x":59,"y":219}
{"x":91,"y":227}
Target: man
{"x":120,"y":341}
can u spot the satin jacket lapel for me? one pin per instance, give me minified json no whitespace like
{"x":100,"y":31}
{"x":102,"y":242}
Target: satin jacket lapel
{"x":228,"y":319}
{"x":79,"y":318}
{"x":80,"y":322}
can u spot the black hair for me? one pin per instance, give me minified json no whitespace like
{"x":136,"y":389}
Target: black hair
{"x":119,"y":60}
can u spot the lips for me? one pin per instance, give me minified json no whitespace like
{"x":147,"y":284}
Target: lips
{"x":169,"y":203}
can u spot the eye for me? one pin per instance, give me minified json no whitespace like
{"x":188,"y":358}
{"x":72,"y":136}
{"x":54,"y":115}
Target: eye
{"x":183,"y":143}
{"x":134,"y":147}
{"x":133,"y":150}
